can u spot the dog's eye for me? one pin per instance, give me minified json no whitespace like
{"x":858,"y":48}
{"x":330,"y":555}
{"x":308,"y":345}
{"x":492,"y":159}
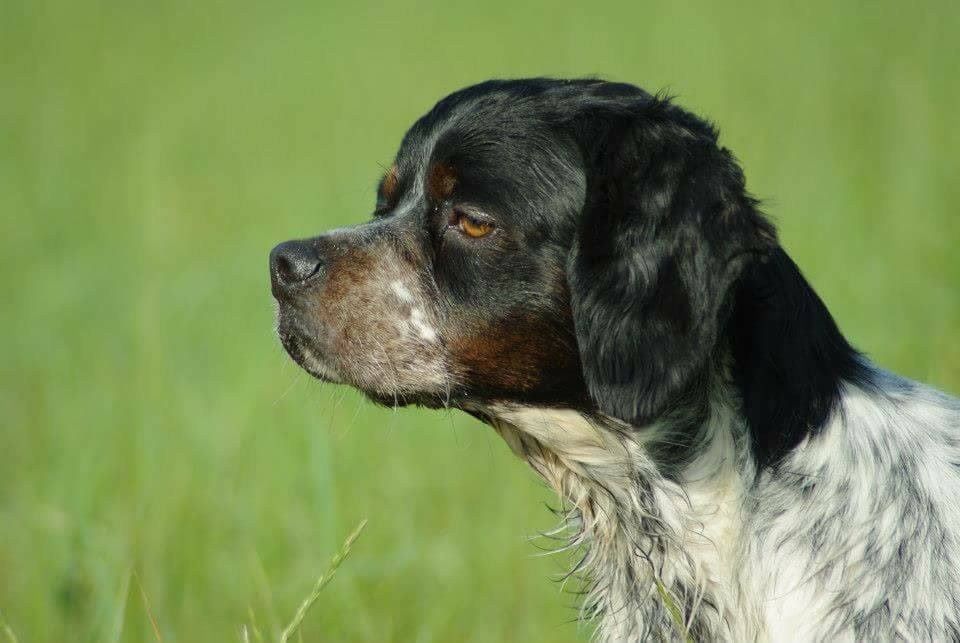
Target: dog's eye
{"x":472,"y":226}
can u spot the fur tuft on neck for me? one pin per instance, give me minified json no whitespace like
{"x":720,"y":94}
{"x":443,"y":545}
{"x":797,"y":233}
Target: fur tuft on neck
{"x":655,"y":541}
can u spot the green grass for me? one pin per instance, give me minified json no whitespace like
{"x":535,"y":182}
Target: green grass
{"x":151,"y":153}
{"x":324,"y":580}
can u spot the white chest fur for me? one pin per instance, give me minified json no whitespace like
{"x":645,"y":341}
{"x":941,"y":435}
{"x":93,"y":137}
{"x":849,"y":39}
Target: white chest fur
{"x":643,"y":536}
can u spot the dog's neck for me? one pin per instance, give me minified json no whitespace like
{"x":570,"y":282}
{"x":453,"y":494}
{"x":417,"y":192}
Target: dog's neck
{"x":656,"y":541}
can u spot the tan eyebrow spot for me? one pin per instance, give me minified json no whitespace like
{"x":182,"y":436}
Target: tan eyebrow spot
{"x":441,"y":181}
{"x":388,"y":187}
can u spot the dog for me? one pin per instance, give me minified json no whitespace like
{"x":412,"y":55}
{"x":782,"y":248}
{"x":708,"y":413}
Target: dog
{"x":578,"y":264}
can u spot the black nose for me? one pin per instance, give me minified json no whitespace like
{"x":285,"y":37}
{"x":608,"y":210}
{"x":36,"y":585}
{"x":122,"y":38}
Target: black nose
{"x":292,"y":263}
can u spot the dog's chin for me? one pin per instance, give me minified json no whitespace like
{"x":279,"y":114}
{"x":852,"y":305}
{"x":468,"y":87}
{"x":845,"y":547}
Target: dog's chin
{"x":390,"y":400}
{"x":314,"y":361}
{"x":308,"y":359}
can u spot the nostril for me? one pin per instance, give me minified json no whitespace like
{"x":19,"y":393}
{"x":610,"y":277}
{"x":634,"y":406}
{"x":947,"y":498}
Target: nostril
{"x":294,"y":261}
{"x":287,"y":268}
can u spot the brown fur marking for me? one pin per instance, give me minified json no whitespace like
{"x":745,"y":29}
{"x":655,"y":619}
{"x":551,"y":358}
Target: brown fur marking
{"x":521,"y":353}
{"x":388,"y":186}
{"x":441,"y":181}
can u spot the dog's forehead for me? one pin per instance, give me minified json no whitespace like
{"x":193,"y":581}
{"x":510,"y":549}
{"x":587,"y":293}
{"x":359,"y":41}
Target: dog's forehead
{"x":481,"y":121}
{"x":473,"y":107}
{"x":513,"y":105}
{"x":499,"y":149}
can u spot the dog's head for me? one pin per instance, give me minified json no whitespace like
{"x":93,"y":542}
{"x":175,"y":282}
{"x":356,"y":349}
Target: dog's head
{"x":565,"y":243}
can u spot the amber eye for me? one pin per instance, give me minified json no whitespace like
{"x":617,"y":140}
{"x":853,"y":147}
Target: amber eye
{"x":471,"y":226}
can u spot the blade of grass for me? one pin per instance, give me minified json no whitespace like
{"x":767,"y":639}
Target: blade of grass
{"x":272,"y":625}
{"x":8,"y":631}
{"x":673,"y":609}
{"x":257,"y":636}
{"x":146,"y":606}
{"x":321,"y":583}
{"x":117,"y":630}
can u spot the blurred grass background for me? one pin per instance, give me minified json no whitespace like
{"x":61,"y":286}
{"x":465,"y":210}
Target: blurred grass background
{"x":151,"y":153}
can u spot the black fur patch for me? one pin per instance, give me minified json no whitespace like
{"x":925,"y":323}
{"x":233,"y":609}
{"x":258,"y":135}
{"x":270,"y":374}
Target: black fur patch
{"x":790,"y":358}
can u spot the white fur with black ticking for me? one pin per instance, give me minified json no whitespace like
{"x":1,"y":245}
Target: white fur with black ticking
{"x":856,"y":536}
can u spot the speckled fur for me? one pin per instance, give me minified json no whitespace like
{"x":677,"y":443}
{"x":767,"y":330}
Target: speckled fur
{"x":855,"y":537}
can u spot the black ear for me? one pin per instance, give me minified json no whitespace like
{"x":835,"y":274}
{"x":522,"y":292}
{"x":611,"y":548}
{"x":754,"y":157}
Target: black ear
{"x":789,"y":358}
{"x":667,"y":228}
